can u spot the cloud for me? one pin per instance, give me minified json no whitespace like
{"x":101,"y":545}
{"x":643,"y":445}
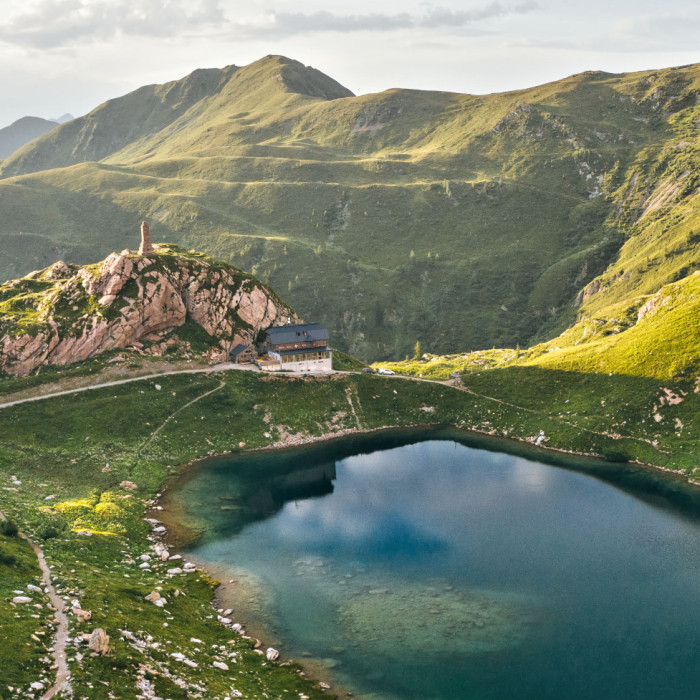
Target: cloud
{"x":293,"y":23}
{"x":642,"y":33}
{"x":655,"y":31}
{"x":49,"y":24}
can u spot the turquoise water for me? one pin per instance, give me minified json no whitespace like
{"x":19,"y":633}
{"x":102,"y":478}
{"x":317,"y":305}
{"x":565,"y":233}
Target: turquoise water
{"x":436,"y":570}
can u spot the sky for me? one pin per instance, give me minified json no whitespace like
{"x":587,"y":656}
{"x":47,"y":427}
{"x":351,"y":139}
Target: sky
{"x":59,"y":56}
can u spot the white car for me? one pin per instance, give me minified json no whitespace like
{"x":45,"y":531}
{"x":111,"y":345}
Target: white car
{"x":385,"y":371}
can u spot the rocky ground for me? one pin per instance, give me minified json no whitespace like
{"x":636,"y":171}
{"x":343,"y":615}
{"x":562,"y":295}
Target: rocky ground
{"x":155,"y":304}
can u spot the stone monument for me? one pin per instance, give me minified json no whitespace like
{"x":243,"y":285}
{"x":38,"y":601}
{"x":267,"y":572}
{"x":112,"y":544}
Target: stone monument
{"x":145,"y":246}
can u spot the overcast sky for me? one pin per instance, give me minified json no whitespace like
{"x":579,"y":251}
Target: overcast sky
{"x":60,"y":56}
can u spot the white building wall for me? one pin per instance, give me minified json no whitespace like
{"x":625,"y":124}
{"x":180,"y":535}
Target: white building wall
{"x":324,"y":365}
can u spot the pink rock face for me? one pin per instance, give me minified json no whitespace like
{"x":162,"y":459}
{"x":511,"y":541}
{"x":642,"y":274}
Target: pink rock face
{"x":138,"y":299}
{"x":252,"y":307}
{"x":115,"y":271}
{"x":22,"y":354}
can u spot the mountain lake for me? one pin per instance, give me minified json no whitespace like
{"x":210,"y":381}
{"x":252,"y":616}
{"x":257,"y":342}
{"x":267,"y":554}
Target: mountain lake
{"x":421,"y":565}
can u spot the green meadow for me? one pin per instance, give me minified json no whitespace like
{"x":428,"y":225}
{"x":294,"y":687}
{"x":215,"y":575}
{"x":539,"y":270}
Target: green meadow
{"x":463,"y":222}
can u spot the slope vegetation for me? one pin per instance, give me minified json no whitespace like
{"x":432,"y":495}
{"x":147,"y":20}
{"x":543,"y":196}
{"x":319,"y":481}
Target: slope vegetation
{"x":456,"y":220}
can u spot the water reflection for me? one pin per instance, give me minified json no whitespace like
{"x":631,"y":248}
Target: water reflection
{"x":459,"y":573}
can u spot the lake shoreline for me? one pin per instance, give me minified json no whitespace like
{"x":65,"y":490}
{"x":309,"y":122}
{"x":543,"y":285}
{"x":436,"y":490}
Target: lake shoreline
{"x":587,"y":463}
{"x":374,"y":439}
{"x":180,"y":535}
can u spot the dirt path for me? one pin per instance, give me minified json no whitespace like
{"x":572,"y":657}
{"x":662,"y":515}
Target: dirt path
{"x":230,"y":366}
{"x":59,"y":647}
{"x":116,"y":382}
{"x":222,"y":384}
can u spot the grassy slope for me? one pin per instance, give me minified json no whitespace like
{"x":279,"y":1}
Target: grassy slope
{"x":636,"y":329}
{"x":461,"y":221}
{"x":637,"y":381}
{"x":58,"y":448}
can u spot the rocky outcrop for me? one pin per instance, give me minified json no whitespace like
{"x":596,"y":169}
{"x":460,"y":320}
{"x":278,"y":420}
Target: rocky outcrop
{"x":66,"y":314}
{"x":658,"y":301}
{"x":146,"y":247}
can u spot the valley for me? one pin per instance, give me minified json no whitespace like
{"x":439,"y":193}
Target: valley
{"x":463,"y":222}
{"x":527,"y":263}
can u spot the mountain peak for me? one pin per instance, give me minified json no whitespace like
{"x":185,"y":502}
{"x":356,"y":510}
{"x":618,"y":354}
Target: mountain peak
{"x":21,"y":132}
{"x":297,"y":77}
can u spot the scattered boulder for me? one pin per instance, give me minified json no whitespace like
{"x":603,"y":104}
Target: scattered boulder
{"x":272,"y":654}
{"x":82,"y":615}
{"x":161,"y":551}
{"x":99,"y":642}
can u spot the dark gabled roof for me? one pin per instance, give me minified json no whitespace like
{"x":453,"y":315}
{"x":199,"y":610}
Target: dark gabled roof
{"x":298,"y":333}
{"x":238,"y":349}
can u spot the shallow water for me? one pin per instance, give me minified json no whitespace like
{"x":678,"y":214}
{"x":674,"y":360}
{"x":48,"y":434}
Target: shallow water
{"x":436,"y":570}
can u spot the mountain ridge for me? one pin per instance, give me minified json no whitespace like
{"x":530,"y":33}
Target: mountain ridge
{"x":461,"y":221}
{"x":21,"y":132}
{"x":153,"y":108}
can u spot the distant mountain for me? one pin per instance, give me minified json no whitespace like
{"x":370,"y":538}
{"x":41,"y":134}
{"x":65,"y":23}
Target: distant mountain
{"x":154,"y":114}
{"x":461,"y":221}
{"x":63,"y":118}
{"x":21,"y":132}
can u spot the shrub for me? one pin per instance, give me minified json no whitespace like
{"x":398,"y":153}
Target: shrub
{"x":7,"y":527}
{"x":613,"y":455}
{"x":7,"y":559}
{"x":48,"y":532}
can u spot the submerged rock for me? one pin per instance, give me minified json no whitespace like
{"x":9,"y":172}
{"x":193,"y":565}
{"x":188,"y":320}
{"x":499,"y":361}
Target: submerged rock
{"x":428,"y":621}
